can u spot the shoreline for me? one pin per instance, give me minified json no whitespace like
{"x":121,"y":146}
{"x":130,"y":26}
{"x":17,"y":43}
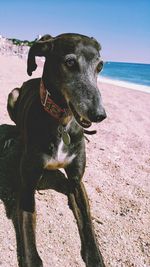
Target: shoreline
{"x":128,"y":85}
{"x":109,"y":81}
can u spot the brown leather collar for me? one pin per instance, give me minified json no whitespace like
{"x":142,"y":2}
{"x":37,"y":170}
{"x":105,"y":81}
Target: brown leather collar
{"x":49,"y":105}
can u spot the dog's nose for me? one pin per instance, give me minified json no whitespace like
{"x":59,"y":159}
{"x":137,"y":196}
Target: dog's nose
{"x":97,"y":116}
{"x":100,"y":117}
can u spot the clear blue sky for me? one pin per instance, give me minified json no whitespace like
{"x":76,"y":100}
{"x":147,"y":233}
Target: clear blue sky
{"x":121,"y":26}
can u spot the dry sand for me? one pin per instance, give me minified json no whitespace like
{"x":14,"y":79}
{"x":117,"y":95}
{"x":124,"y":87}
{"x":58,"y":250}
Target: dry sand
{"x":117,"y":179}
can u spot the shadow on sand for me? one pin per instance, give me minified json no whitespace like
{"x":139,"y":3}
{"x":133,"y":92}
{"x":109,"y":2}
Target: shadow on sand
{"x":10,"y":154}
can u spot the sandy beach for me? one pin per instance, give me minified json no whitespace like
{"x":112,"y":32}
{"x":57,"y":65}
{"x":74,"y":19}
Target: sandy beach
{"x":117,"y":180}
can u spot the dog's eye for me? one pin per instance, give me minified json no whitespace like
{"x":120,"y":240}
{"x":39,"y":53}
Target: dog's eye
{"x":70,"y":62}
{"x":99,"y":66}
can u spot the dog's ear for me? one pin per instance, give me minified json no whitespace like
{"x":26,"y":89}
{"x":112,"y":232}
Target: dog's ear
{"x":39,"y":48}
{"x":98,"y":45}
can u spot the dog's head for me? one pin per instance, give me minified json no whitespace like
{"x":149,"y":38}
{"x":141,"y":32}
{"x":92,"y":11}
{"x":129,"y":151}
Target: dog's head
{"x":71,"y":67}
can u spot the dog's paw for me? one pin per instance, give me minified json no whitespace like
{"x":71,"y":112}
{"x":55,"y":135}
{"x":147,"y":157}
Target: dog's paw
{"x":93,"y":258}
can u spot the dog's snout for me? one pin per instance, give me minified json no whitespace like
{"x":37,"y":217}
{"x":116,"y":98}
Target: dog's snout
{"x":98,"y":116}
{"x":101,"y":117}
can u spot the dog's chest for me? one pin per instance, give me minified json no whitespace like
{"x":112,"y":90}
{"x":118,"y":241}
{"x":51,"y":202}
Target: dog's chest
{"x":60,"y":159}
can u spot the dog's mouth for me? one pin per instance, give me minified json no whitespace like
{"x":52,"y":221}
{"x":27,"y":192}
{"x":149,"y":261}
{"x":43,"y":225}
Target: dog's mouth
{"x":83,"y":122}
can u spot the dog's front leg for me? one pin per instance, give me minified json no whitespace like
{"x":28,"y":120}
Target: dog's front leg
{"x":29,"y":256}
{"x":79,"y":204}
{"x":26,"y":215}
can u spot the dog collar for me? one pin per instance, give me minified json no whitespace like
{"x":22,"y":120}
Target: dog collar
{"x":49,"y":105}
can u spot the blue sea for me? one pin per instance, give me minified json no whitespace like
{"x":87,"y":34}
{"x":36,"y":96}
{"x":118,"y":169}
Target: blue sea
{"x":129,"y":72}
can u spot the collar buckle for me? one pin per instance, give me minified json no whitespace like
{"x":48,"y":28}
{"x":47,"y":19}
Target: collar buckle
{"x":46,"y":97}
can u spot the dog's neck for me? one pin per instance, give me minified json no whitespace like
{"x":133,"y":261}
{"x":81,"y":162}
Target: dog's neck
{"x":57,"y":110}
{"x":54,"y":91}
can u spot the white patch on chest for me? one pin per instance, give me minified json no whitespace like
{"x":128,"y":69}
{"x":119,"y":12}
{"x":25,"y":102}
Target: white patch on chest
{"x":61,"y":160}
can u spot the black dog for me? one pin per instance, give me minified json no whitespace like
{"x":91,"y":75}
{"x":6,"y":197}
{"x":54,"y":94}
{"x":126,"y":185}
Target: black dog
{"x":51,"y":114}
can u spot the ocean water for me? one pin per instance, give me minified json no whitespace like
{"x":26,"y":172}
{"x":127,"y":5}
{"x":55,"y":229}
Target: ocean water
{"x":129,"y":72}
